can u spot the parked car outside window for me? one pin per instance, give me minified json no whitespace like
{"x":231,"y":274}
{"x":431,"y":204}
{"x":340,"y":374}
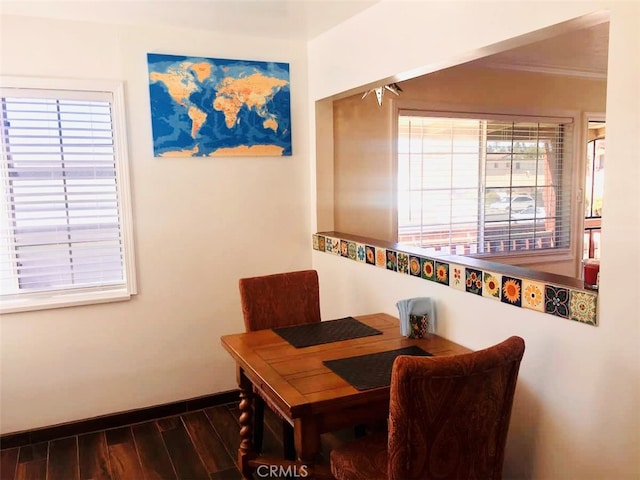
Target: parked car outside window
{"x":522,"y":202}
{"x":518,"y":203}
{"x":529,"y":214}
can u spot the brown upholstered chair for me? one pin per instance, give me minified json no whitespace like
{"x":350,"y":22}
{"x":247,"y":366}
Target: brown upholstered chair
{"x":448,"y":419}
{"x":273,"y":301}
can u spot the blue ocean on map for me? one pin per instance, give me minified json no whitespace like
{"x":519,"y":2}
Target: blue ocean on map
{"x":219,"y":107}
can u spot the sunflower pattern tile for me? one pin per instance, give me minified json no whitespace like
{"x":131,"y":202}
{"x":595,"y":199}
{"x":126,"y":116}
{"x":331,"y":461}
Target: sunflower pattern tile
{"x":427,"y":269}
{"x":415,"y":268}
{"x":473,"y":281}
{"x":370,"y":254}
{"x":512,"y":291}
{"x":491,"y":285}
{"x":442,"y":273}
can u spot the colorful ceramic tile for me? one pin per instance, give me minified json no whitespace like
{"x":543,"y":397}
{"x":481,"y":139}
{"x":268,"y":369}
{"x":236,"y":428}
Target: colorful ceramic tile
{"x":533,"y":295}
{"x":329,"y":245}
{"x":456,"y":277}
{"x":352,"y":249}
{"x":473,"y":281}
{"x":335,"y":246}
{"x":582,"y":307}
{"x":442,"y":273}
{"x":414,"y":266}
{"x":392,"y":260}
{"x":370,"y":254}
{"x":511,"y":291}
{"x":491,"y":285}
{"x":344,"y":248}
{"x":403,"y":262}
{"x":577,"y":305}
{"x":556,"y":301}
{"x":428,"y":269}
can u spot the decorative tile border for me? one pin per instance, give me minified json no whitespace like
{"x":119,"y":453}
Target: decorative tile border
{"x":533,"y":295}
{"x":561,"y":301}
{"x":491,"y":285}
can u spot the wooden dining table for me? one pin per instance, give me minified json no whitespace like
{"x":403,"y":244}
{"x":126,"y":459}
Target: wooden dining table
{"x":301,"y":389}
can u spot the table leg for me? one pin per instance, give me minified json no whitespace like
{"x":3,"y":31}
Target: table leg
{"x":246,"y":451}
{"x":307,"y":442}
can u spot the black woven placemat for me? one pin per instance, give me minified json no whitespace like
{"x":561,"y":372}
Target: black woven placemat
{"x":372,"y":370}
{"x":325,"y":332}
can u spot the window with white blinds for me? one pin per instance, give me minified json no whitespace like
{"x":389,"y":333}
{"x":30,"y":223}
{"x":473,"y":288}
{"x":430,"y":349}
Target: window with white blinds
{"x":66,"y":236}
{"x":483,"y":185}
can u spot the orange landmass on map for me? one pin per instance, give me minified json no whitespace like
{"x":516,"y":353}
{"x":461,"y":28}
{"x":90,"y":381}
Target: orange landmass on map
{"x":202,"y":70}
{"x":253,"y":91}
{"x":244,"y":150}
{"x":181,"y":153}
{"x":179,"y":83}
{"x":197,"y":117}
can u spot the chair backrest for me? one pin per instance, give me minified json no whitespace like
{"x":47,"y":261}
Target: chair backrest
{"x":449,"y":415}
{"x":280,"y":300}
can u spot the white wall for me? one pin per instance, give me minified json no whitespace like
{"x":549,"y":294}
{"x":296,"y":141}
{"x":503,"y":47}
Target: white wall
{"x":200,"y":224}
{"x":576,"y":408}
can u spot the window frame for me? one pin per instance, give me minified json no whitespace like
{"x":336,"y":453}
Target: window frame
{"x":523,"y":257}
{"x":586,"y":222}
{"x":32,"y":301}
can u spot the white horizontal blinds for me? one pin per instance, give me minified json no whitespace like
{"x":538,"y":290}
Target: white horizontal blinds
{"x":525,"y":164}
{"x":438,"y":181}
{"x":470,"y":185}
{"x":59,"y":184}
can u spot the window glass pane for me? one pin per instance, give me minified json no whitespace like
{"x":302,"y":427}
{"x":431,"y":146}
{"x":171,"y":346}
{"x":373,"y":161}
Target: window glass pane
{"x":488,"y":186}
{"x":62,"y":192}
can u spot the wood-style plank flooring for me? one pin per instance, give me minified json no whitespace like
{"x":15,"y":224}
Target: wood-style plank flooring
{"x":199,"y":445}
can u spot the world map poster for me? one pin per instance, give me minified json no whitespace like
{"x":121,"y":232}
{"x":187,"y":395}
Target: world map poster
{"x":207,"y":107}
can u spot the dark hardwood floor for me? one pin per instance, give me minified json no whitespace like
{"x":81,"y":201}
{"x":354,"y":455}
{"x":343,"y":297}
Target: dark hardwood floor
{"x":198,"y":445}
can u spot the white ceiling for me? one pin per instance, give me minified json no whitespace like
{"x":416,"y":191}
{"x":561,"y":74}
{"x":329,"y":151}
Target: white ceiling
{"x":282,"y":19}
{"x":580,"y":52}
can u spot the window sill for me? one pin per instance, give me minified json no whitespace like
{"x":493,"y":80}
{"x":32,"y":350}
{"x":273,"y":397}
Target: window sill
{"x":547,"y":293}
{"x":50,"y":300}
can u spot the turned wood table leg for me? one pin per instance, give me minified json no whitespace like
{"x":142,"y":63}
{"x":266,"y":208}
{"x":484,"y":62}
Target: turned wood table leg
{"x":246,"y":451}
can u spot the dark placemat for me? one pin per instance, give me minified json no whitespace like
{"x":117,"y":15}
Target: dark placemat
{"x":325,"y":332}
{"x":373,"y":370}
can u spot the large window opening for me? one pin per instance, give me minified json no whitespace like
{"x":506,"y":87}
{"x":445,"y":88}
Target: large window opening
{"x":484,"y":185}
